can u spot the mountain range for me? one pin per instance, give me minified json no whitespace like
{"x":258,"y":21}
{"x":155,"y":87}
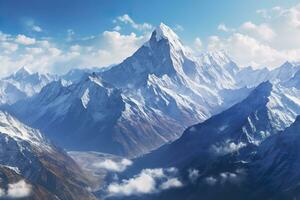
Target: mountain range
{"x":225,"y":131}
{"x":138,"y":105}
{"x":248,"y":151}
{"x":22,"y":84}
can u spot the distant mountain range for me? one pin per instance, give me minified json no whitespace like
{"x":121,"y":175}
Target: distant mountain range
{"x":22,"y":84}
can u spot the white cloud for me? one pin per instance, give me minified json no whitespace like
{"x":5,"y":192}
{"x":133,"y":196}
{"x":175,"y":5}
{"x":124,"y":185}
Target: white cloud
{"x":75,"y":47}
{"x":262,"y":31}
{"x":18,"y":190}
{"x":198,"y":44}
{"x":249,"y":51}
{"x":110,"y":47}
{"x":4,"y":37}
{"x":226,"y":177}
{"x":34,"y":50}
{"x":293,"y":14}
{"x":126,"y":19}
{"x":178,"y":28}
{"x":277,"y":9}
{"x":117,"y":28}
{"x":37,"y":28}
{"x":113,"y":166}
{"x":22,"y":39}
{"x":146,"y":182}
{"x":171,"y":183}
{"x":9,"y":47}
{"x":215,"y":43}
{"x":30,"y":23}
{"x":211,"y":180}
{"x":268,"y":44}
{"x":2,"y":192}
{"x":263,"y":13}
{"x":224,"y":28}
{"x":227,"y":147}
{"x":70,"y":35}
{"x":116,"y":47}
{"x":193,"y":175}
{"x":231,"y":177}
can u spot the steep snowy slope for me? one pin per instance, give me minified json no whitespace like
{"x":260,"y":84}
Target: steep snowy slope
{"x":89,"y":106}
{"x":266,"y":111}
{"x":246,"y":152}
{"x":276,"y":166}
{"x":9,"y":93}
{"x":94,"y":107}
{"x":267,"y":171}
{"x":138,"y":105}
{"x":48,"y":170}
{"x":294,"y":81}
{"x":165,"y":55}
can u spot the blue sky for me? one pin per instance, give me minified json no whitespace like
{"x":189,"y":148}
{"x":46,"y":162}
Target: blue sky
{"x":198,"y":17}
{"x":70,"y":30}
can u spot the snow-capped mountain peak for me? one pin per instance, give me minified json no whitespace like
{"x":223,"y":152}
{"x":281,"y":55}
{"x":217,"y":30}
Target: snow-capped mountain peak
{"x":161,"y":80}
{"x":21,"y":73}
{"x":95,"y":79}
{"x":27,"y":82}
{"x":163,"y":31}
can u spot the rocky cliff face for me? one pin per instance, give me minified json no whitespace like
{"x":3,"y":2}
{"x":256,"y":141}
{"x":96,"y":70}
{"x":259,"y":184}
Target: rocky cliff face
{"x":26,"y":156}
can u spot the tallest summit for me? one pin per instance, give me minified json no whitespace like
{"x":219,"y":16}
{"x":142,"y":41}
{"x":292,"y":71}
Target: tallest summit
{"x":164,"y":32}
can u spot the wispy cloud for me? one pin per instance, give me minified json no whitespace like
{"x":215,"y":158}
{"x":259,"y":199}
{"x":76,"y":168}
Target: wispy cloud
{"x":126,"y":19}
{"x":198,"y":45}
{"x":178,"y":27}
{"x":113,"y":166}
{"x":47,"y":55}
{"x":267,"y":44}
{"x":193,"y":175}
{"x":146,"y":182}
{"x":227,"y":147}
{"x":224,"y":28}
{"x":37,"y":28}
{"x":226,"y":177}
{"x":22,"y":39}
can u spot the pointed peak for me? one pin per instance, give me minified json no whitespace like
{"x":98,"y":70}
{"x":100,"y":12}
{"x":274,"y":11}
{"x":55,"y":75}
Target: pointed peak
{"x":23,"y":71}
{"x":287,"y":64}
{"x":164,"y":32}
{"x":93,"y":78}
